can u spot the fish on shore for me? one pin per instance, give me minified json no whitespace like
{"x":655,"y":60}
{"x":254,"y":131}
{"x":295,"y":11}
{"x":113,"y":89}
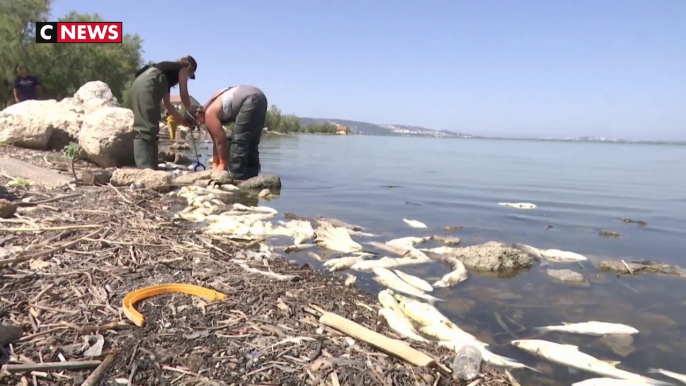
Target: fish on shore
{"x":388,"y":301}
{"x":397,"y":284}
{"x":350,"y":280}
{"x":569,"y":355}
{"x":420,"y":312}
{"x":298,"y":248}
{"x":336,"y":239}
{"x":314,"y":256}
{"x":340,"y":224}
{"x":341,"y":263}
{"x":400,"y":325}
{"x":592,"y":328}
{"x":414,"y":281}
{"x":488,"y":357}
{"x":415,"y":223}
{"x":679,"y":377}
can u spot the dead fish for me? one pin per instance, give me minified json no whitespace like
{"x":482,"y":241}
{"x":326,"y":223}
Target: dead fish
{"x":518,"y":205}
{"x":449,"y":331}
{"x":395,"y":283}
{"x":592,"y":328}
{"x":422,"y":313}
{"x":350,"y":280}
{"x":562,"y":256}
{"x":400,"y":325}
{"x":340,"y":224}
{"x":298,"y":248}
{"x":408,"y":242}
{"x":314,"y":256}
{"x":384,"y":262}
{"x":395,"y":249}
{"x":341,"y":263}
{"x":533,"y":252}
{"x":454,"y":277}
{"x":414,"y":281}
{"x":679,"y":377}
{"x":388,"y":301}
{"x":569,"y":355}
{"x":488,"y":357}
{"x":336,"y":239}
{"x":415,"y":223}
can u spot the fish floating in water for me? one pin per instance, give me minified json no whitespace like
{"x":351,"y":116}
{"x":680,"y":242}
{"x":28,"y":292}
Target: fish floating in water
{"x":679,"y":377}
{"x":592,"y":328}
{"x":298,"y":248}
{"x":392,"y":281}
{"x":408,"y":242}
{"x":415,"y":223}
{"x":400,"y":325}
{"x":384,"y":262}
{"x":569,"y":355}
{"x":518,"y":205}
{"x":414,"y":281}
{"x":555,"y":255}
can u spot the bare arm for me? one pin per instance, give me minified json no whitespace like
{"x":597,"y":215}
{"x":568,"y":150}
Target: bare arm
{"x":183,"y":87}
{"x":216,"y":130}
{"x":16,"y":97}
{"x":174,"y":113}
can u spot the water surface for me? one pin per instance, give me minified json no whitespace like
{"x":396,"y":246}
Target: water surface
{"x":579,"y":188}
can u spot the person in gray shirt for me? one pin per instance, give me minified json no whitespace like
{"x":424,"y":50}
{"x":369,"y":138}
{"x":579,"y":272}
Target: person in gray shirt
{"x":247,"y":107}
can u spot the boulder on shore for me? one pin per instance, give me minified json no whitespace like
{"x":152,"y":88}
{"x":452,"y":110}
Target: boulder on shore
{"x":7,"y":208}
{"x":152,"y":179}
{"x":39,"y":124}
{"x":265,"y":181}
{"x":107,"y":137}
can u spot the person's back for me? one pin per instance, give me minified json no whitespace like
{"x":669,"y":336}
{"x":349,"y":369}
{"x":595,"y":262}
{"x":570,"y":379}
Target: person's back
{"x":26,"y":86}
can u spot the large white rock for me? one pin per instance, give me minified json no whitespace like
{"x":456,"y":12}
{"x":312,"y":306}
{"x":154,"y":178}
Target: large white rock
{"x":33,"y":123}
{"x":107,"y":135}
{"x":93,"y":96}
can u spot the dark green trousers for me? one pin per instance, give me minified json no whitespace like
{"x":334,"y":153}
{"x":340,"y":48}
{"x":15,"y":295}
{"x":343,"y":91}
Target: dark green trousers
{"x":146,"y":95}
{"x":244,"y":156}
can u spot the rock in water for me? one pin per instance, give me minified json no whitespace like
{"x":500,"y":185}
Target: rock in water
{"x":107,"y":137}
{"x":94,"y":95}
{"x":152,"y":179}
{"x":566,"y":275}
{"x":265,"y":181}
{"x":7,"y":208}
{"x":448,"y":240}
{"x":33,"y":124}
{"x":221,"y":177}
{"x":191,"y":178}
{"x":493,"y":256}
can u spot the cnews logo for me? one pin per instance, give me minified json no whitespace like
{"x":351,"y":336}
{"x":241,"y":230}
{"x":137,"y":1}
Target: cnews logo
{"x":91,"y":32}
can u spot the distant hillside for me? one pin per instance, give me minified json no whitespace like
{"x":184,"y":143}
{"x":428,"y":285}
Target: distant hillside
{"x":365,"y":128}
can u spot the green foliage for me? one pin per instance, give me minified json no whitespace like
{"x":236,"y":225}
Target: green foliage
{"x":71,"y":151}
{"x":19,"y":181}
{"x":62,"y":68}
{"x":278,"y":122}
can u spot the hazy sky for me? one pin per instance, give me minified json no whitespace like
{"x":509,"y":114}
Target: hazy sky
{"x":535,"y":68}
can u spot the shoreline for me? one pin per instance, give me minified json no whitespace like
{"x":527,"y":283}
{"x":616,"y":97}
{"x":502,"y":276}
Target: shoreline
{"x":264,"y":332}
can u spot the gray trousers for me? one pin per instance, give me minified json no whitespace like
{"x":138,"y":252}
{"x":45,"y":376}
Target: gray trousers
{"x":244,"y":156}
{"x":146,"y":95}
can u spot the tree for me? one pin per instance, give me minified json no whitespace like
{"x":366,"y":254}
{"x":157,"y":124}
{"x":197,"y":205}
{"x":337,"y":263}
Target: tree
{"x":63,"y":68}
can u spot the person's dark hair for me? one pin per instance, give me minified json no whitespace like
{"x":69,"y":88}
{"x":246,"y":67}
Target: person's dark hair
{"x":194,"y":110}
{"x":142,"y":70}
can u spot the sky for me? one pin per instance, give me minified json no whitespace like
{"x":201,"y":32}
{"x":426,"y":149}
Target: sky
{"x":536,"y":68}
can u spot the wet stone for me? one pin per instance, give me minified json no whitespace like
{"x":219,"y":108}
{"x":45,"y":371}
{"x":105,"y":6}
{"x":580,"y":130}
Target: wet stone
{"x":448,"y":240}
{"x":610,"y":234}
{"x":567,"y":276}
{"x":622,"y":345}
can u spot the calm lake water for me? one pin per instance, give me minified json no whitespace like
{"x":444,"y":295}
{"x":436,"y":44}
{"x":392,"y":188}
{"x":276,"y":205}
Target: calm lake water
{"x":579,"y":188}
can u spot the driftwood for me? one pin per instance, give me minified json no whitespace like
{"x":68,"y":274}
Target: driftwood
{"x":268,"y":274}
{"x":51,"y":366}
{"x":96,"y":376}
{"x":383,"y":343}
